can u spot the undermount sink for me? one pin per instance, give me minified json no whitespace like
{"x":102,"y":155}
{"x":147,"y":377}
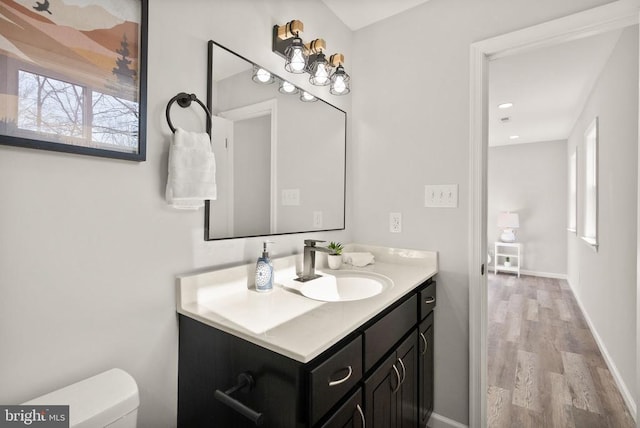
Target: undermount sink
{"x":345,"y":285}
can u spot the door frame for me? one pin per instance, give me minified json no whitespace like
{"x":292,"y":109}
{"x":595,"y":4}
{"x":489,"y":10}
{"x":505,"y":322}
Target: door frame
{"x":612,"y":16}
{"x":251,"y":111}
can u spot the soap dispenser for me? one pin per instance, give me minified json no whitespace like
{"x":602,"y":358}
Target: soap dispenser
{"x":264,"y":270}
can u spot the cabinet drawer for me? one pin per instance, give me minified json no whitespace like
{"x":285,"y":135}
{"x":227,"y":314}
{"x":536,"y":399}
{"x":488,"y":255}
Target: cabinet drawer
{"x":349,"y":415}
{"x":427,"y":300}
{"x":332,"y":379}
{"x":381,"y":336}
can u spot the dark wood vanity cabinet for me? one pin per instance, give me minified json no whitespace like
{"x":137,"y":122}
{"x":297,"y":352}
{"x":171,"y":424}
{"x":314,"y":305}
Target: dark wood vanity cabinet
{"x":391,"y":393}
{"x":425,"y":369}
{"x":381,"y":373}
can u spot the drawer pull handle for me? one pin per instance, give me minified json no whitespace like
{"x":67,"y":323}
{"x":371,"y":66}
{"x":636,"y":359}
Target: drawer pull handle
{"x":394,"y":390}
{"x":344,"y":379}
{"x":404,"y":371}
{"x":364,"y":423}
{"x":426,"y":344}
{"x":430,"y":300}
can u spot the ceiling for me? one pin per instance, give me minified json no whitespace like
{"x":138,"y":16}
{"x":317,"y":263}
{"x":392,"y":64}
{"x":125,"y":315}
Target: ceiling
{"x":357,"y":14}
{"x":548,"y":88}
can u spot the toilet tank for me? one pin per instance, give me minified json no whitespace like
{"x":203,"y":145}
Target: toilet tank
{"x":109,"y":399}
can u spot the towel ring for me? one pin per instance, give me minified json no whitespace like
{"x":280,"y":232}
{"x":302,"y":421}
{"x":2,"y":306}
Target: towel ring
{"x":184,"y":100}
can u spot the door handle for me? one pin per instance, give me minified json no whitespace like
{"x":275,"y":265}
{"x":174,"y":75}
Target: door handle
{"x":430,"y":300}
{"x":394,"y":390}
{"x":404,"y":371}
{"x":426,"y":344}
{"x":343,"y":380}
{"x":364,"y":423}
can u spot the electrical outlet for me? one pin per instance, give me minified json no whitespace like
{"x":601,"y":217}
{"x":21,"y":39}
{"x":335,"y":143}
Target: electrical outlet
{"x":395,"y":222}
{"x":317,"y":219}
{"x":441,"y":196}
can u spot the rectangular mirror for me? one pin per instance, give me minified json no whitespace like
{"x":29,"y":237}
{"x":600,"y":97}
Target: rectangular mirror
{"x":280,"y":161}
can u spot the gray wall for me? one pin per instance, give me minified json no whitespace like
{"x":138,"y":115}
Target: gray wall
{"x":89,"y":249}
{"x":416,"y":132}
{"x":605,"y":281}
{"x":531,"y":179}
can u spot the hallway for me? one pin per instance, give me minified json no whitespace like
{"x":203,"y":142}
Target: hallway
{"x":544,"y":366}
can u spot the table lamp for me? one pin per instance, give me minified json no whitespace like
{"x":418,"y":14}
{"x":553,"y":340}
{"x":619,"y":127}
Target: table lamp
{"x":507,"y":222}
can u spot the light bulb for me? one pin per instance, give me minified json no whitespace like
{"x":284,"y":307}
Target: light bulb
{"x":288,"y":87}
{"x":322,"y":75}
{"x":297,"y":60}
{"x":263,"y":75}
{"x":306,"y":96}
{"x":338,"y":85}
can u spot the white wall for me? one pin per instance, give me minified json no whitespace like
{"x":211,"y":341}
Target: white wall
{"x":88,"y":248}
{"x":416,"y":132}
{"x":605,"y":281}
{"x":531,"y":179}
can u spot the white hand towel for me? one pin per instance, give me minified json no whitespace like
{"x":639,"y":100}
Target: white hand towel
{"x":192,"y":170}
{"x":358,"y":259}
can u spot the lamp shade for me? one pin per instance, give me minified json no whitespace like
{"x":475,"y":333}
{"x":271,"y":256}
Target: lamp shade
{"x":507,"y":220}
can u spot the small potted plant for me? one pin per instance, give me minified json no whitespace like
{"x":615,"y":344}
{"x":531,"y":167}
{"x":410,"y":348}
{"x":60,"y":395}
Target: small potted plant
{"x":335,"y":260}
{"x":507,"y":262}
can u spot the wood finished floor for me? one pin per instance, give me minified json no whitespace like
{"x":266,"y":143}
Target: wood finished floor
{"x":545,"y":368}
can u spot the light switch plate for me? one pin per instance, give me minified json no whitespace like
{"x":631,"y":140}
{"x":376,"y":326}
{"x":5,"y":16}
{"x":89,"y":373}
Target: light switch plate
{"x":441,"y":196}
{"x":290,"y":197}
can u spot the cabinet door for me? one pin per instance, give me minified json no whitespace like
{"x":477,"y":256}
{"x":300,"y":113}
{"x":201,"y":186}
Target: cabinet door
{"x":349,"y":415}
{"x":380,"y":395}
{"x":407,"y":395}
{"x":425,"y":369}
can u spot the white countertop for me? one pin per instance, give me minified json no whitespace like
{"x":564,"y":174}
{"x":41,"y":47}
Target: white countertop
{"x":285,"y":321}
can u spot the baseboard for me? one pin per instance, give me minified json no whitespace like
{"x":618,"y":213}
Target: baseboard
{"x":544,"y":274}
{"x":439,"y":421}
{"x":624,"y":391}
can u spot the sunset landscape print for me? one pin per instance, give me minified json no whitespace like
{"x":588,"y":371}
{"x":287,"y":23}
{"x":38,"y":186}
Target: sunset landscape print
{"x":71,"y":73}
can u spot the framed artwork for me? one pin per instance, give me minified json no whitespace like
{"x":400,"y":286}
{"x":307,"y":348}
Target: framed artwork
{"x":74,"y":76}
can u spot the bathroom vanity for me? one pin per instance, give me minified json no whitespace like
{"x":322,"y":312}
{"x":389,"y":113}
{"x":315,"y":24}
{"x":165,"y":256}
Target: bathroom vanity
{"x":311,"y":363}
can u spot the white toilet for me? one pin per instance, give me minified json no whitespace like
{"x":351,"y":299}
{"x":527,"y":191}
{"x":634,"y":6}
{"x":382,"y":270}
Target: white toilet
{"x":109,"y":399}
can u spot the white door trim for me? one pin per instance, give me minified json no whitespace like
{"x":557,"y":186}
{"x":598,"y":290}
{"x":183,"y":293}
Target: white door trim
{"x":612,"y":16}
{"x":264,"y":108}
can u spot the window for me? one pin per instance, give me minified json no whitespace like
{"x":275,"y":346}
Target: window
{"x":573,"y":192}
{"x":590,"y":205}
{"x":75,"y":114}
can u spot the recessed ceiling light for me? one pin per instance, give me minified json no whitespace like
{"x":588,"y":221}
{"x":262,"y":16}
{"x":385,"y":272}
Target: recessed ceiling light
{"x":505,"y":105}
{"x":514,"y":137}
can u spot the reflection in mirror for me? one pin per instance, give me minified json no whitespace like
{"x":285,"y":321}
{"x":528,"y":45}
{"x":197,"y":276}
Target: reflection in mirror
{"x":280,"y":162}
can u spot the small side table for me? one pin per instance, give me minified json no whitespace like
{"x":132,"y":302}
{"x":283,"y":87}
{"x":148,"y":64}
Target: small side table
{"x":513,"y":250}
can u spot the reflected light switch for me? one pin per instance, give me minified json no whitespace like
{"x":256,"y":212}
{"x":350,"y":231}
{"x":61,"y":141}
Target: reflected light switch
{"x":290,"y":197}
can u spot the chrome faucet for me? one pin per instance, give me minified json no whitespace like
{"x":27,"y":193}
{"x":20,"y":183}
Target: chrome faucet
{"x":309,"y":260}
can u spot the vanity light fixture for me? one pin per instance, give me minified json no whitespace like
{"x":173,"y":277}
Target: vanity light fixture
{"x":319,"y":68}
{"x":287,"y":41}
{"x":307,"y":97}
{"x":260,"y":75}
{"x":309,"y":58}
{"x":339,"y":79}
{"x":505,"y":105}
{"x":287,"y":88}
